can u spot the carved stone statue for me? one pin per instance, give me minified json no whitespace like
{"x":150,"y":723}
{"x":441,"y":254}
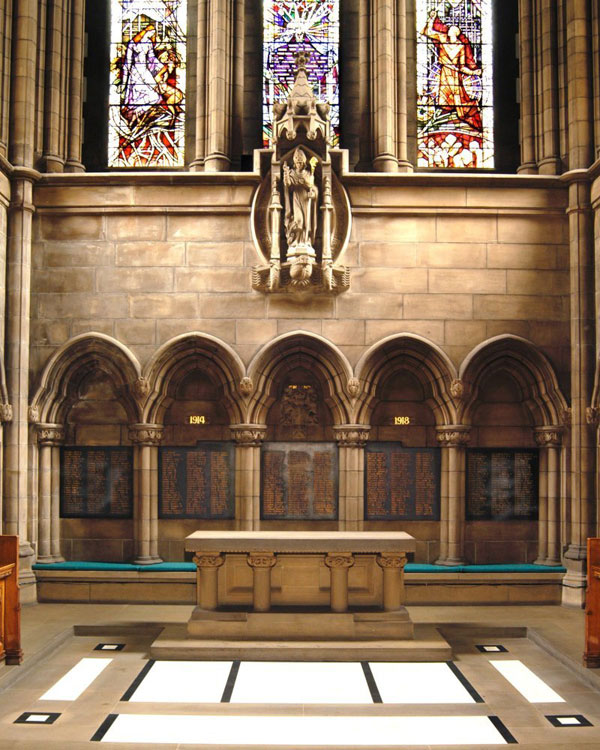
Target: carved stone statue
{"x":301,"y":197}
{"x":301,"y":215}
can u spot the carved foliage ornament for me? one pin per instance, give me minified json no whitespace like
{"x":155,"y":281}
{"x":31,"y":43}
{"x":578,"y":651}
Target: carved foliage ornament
{"x":246,"y":386}
{"x":143,"y":434}
{"x":453,"y":436}
{"x":248,"y":435}
{"x":141,"y":388}
{"x":549,"y":437}
{"x":352,"y":437}
{"x":208,"y":560}
{"x":339,"y":561}
{"x":353,"y":387}
{"x":261,"y":559}
{"x":457,"y":389}
{"x":393,"y":562}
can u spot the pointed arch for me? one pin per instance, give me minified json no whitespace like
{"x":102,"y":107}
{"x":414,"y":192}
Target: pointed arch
{"x":72,"y":362}
{"x":425,"y":360}
{"x":181,"y":355}
{"x":528,"y":367}
{"x":300,"y":348}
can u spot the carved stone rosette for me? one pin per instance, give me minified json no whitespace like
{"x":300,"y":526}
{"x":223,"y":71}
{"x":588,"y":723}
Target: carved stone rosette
{"x":454,"y":435}
{"x":6,"y":413}
{"x":246,"y":386}
{"x":141,"y":388}
{"x":457,"y":389}
{"x":248,"y":434}
{"x":50,"y":434}
{"x":352,"y":435}
{"x":146,"y":434}
{"x":548,"y":437}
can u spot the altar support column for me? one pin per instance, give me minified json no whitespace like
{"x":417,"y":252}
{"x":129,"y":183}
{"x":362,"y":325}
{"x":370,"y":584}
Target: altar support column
{"x":50,"y":437}
{"x":146,"y":439}
{"x":248,"y":438}
{"x":351,"y":440}
{"x":261,"y":564}
{"x":207,"y":569}
{"x":392,"y":565}
{"x":339,"y":563}
{"x":454,"y":440}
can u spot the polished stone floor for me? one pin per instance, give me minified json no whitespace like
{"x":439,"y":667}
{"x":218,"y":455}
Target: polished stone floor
{"x":516,"y":677}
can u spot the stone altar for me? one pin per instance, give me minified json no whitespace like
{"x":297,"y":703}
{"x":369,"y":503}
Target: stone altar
{"x":336,"y":632}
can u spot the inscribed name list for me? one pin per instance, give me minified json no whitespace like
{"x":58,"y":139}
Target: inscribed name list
{"x":196,"y":482}
{"x":299,"y":481}
{"x":401,"y":483}
{"x":96,"y":482}
{"x":502,"y":484}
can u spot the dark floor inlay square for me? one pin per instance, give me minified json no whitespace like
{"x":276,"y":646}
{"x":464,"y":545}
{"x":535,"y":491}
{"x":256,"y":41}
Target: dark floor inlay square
{"x":492,"y":648}
{"x":37,"y":717}
{"x":569,"y":720}
{"x":109,"y":647}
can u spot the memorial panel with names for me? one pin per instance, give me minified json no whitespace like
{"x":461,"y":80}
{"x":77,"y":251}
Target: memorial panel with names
{"x":502,"y":484}
{"x":196,"y":482}
{"x":401,"y":483}
{"x":299,"y":481}
{"x":96,"y":482}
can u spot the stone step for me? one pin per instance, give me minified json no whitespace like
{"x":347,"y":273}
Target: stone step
{"x":428,"y":645}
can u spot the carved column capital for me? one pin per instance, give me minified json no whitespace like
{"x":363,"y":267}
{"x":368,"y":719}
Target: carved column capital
{"x":146,"y":434}
{"x":339,"y":560}
{"x":50,"y":434}
{"x":6,"y":412}
{"x":261,"y":559}
{"x":391,"y":560}
{"x":548,"y":437}
{"x":248,"y":434}
{"x":456,"y":435}
{"x":352,"y":435}
{"x":208,"y":560}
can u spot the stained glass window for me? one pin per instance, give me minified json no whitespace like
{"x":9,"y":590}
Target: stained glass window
{"x":147,"y":83}
{"x":291,"y":25}
{"x":455,"y":116}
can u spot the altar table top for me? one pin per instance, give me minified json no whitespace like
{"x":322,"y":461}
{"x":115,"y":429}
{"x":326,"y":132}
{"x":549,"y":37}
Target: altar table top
{"x":364,"y":542}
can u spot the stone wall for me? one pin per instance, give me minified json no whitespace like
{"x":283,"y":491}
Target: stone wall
{"x":457,"y":260}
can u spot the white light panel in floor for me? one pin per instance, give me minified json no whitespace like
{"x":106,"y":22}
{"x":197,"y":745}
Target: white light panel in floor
{"x":300,"y":682}
{"x":319,"y":731}
{"x":183,"y":682}
{"x":526,"y":682}
{"x":72,"y":685}
{"x":418,"y":683}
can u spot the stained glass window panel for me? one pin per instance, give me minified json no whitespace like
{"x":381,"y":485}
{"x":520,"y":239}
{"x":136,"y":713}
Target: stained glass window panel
{"x":291,"y":25}
{"x":455,"y":114}
{"x":147,"y":83}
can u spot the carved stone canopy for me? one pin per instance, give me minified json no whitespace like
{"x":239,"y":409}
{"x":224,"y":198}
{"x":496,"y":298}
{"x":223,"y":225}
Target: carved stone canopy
{"x":301,"y":212}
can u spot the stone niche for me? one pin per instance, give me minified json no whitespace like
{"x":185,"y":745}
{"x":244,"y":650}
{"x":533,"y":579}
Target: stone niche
{"x":301,"y":211}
